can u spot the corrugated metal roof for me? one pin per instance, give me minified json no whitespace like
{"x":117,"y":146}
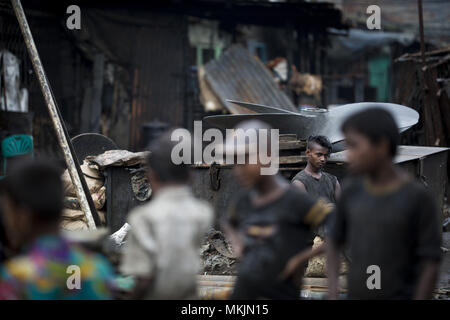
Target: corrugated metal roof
{"x":237,"y":75}
{"x":403,"y":15}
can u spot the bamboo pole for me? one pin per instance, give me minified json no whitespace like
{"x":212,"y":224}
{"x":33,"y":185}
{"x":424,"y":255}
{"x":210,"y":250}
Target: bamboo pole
{"x":54,"y":114}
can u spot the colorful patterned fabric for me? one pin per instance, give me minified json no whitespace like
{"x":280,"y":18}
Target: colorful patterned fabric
{"x":42,"y":272}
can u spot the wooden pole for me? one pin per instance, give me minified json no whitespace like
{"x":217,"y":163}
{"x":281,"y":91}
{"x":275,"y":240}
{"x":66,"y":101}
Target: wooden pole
{"x":54,"y":114}
{"x":422,"y":40}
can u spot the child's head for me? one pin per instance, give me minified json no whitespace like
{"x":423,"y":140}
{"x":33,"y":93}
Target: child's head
{"x":249,"y":173}
{"x":372,"y":137}
{"x":161,"y":168}
{"x":32,"y":199}
{"x":317,"y":151}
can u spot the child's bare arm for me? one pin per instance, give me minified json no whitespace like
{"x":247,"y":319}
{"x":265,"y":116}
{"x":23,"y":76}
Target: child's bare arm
{"x":234,"y":238}
{"x":427,"y":280}
{"x":299,"y":185}
{"x":296,"y":262}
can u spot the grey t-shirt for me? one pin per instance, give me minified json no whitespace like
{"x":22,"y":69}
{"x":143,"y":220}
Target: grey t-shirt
{"x":325,"y":187}
{"x":390,"y":229}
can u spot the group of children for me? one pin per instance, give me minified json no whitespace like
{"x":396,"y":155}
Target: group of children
{"x":161,"y":251}
{"x":381,"y":217}
{"x":387,"y":223}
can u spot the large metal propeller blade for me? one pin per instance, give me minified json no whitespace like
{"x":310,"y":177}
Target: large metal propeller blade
{"x":313,"y":121}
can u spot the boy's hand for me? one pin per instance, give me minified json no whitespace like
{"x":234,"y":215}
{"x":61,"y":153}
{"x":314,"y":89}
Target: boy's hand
{"x":294,"y":267}
{"x":294,"y":264}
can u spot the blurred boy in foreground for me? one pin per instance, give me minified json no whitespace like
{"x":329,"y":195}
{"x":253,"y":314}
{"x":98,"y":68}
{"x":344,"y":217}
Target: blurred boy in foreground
{"x":388,"y":221}
{"x":162,"y":247}
{"x":47,"y":265}
{"x":267,"y":225}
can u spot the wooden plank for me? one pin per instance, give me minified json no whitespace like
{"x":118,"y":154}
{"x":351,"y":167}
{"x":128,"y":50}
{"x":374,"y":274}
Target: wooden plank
{"x":432,"y":111}
{"x":97,"y":89}
{"x":444,"y":105}
{"x":292,"y":159}
{"x":287,"y":137}
{"x":290,"y":145}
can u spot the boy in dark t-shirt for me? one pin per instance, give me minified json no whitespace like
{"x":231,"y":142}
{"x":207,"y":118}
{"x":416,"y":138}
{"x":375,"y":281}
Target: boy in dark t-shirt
{"x":269,"y":223}
{"x":272,"y":234}
{"x":313,"y":179}
{"x":388,"y":221}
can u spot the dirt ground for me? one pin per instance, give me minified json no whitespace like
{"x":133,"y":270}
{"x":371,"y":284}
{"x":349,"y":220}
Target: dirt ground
{"x":217,"y":259}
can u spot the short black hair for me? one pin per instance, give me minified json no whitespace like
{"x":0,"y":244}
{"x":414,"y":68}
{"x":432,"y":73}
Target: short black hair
{"x":160,"y":160}
{"x":321,"y":141}
{"x":37,"y":186}
{"x":376,"y":124}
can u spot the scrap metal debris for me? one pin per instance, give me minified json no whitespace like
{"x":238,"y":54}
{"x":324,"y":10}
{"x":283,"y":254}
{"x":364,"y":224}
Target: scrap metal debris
{"x":218,"y":257}
{"x":139,"y":183}
{"x":217,"y":254}
{"x":119,"y":236}
{"x":119,"y":158}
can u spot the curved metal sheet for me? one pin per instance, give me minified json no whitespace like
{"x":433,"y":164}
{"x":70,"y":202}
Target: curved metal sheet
{"x":285,"y":122}
{"x":259,"y":108}
{"x":91,"y":144}
{"x":405,"y":117}
{"x":310,"y":122}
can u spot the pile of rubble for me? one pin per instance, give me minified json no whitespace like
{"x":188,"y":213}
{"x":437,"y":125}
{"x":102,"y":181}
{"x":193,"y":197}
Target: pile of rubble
{"x":218,"y":258}
{"x":217,"y":255}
